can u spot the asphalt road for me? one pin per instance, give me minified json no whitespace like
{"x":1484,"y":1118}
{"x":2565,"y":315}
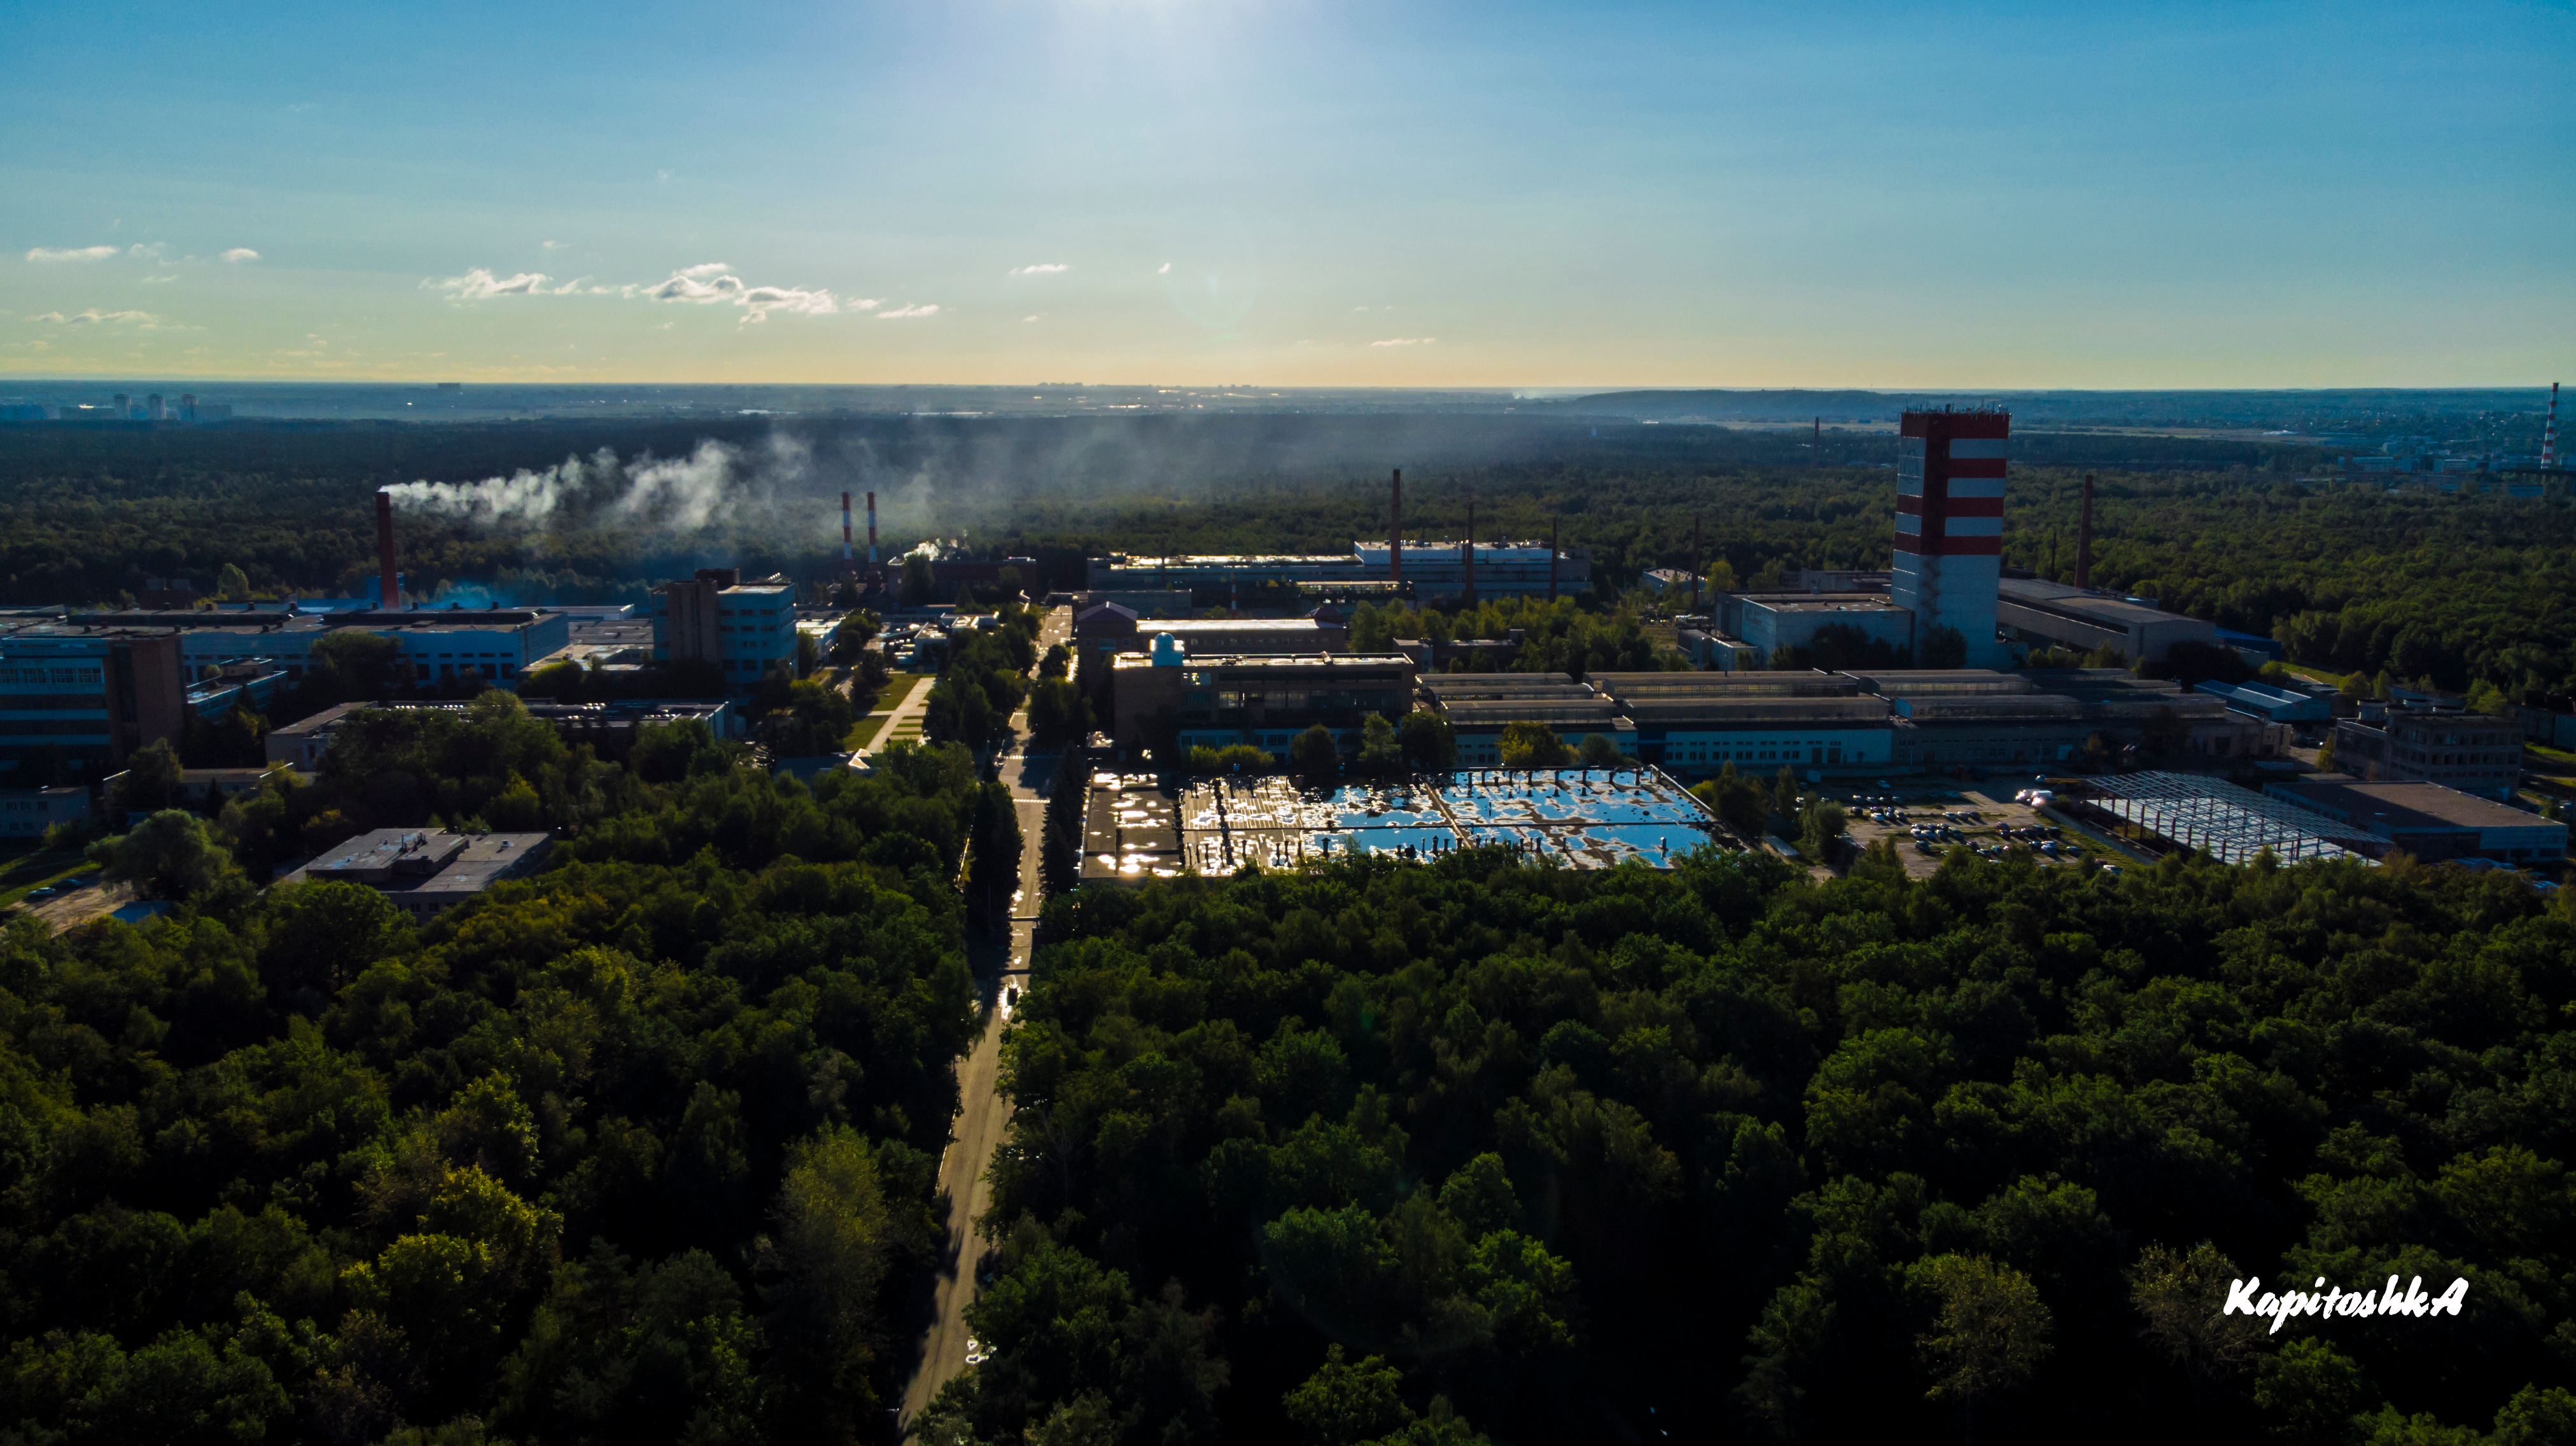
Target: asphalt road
{"x":983,"y":1116}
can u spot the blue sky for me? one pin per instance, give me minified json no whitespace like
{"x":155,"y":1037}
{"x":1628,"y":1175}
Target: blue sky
{"x":1291,"y":193}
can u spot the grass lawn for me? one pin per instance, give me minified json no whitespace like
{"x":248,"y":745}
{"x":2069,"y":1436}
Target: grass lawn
{"x":30,"y":871}
{"x":863,"y":734}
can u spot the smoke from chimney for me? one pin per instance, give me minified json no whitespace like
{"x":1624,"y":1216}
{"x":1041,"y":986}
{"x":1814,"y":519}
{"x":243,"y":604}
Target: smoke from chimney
{"x":389,"y":590}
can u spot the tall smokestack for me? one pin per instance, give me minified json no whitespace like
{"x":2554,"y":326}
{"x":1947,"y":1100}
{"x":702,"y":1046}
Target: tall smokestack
{"x":872,"y":535}
{"x":2549,"y":433}
{"x":847,"y":564}
{"x":1694,"y":565}
{"x":1395,"y":531}
{"x":389,"y":591}
{"x":1551,"y":559}
{"x":2084,"y":538}
{"x":1467,"y":554}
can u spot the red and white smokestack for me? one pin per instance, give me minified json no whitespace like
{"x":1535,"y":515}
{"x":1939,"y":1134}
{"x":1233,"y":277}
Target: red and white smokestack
{"x":2549,"y":433}
{"x":845,"y":534}
{"x":872,"y":534}
{"x":389,"y":589}
{"x":1395,"y":531}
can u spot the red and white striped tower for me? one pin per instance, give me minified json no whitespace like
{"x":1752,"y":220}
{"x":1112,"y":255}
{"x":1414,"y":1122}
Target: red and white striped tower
{"x":2549,"y":432}
{"x":1950,"y":526}
{"x":847,"y":566}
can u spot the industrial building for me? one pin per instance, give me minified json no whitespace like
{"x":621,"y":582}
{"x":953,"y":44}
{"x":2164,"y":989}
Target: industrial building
{"x":2272,"y":704}
{"x":1265,"y":700}
{"x":1855,"y":721}
{"x":1764,"y":624}
{"x":1699,"y":722}
{"x":608,"y":728}
{"x":1479,"y":706}
{"x":2466,"y":751}
{"x":1429,"y":569}
{"x":2430,"y":821}
{"x":748,"y":630}
{"x":427,"y":871}
{"x":25,"y":813}
{"x":1103,"y":634}
{"x":2054,"y":614}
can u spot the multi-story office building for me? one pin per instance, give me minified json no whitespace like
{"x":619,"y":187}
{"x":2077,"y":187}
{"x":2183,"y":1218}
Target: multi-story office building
{"x":2466,"y":751}
{"x":89,"y":700}
{"x":746,"y":629}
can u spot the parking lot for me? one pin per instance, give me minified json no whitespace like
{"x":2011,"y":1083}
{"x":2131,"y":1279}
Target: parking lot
{"x":1930,"y":817}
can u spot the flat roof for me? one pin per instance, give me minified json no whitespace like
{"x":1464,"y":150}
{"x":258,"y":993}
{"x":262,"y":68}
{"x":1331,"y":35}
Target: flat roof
{"x":2406,"y":806}
{"x":1231,"y":625}
{"x":1821,"y":602}
{"x":1265,"y":662}
{"x":2059,"y":597}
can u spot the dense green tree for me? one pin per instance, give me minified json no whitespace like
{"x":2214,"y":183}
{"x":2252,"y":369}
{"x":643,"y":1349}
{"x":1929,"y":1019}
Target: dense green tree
{"x":1316,"y":754}
{"x":1533,"y":745}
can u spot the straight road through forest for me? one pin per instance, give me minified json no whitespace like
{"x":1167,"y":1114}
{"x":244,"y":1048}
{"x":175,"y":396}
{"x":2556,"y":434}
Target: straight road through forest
{"x":983,"y":1116}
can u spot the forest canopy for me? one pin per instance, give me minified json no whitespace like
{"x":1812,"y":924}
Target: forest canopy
{"x":640,"y":1149}
{"x":1477,"y":1151}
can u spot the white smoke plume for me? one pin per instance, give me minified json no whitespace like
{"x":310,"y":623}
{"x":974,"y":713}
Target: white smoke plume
{"x":523,"y":496}
{"x":717,"y":482}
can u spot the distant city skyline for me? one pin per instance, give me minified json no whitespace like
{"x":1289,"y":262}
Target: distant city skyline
{"x":1296,"y":195}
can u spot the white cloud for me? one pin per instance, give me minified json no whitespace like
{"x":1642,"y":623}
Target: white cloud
{"x":72,"y":253}
{"x":1041,"y":268}
{"x":1406,"y":341}
{"x":1028,"y":318}
{"x":239,"y":254}
{"x":157,"y":280}
{"x":762,"y":300}
{"x":1159,"y":270}
{"x":704,"y":285}
{"x":148,"y":251}
{"x":709,"y":283}
{"x":96,"y":317}
{"x":479,"y":283}
{"x":557,"y":245}
{"x":900,"y":312}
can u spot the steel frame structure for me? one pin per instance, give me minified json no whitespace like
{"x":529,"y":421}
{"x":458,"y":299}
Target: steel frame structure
{"x":2231,"y":823}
